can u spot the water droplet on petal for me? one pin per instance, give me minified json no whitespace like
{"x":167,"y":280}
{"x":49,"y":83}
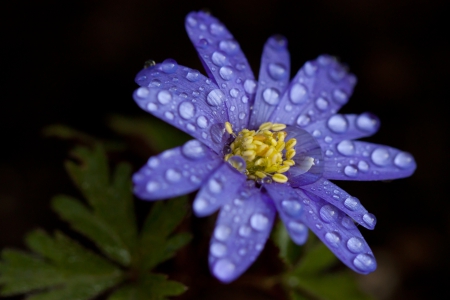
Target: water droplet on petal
{"x":244,"y":99}
{"x":298,"y":93}
{"x":215,"y":186}
{"x":230,"y":47}
{"x":200,"y":205}
{"x":191,"y":21}
{"x":226,"y":73}
{"x":292,"y":208}
{"x":202,"y":122}
{"x":152,"y":186}
{"x":277,"y":71}
{"x":277,"y":42}
{"x":340,"y":96}
{"x":169,"y":66}
{"x":241,"y":116}
{"x":245,"y":231}
{"x":363,"y":166}
{"x":403,"y":160}
{"x":202,"y":43}
{"x":142,"y":92}
{"x":193,"y":75}
{"x":351,"y":171}
{"x":346,"y":148}
{"x":238,"y":163}
{"x":352,"y":203}
{"x":333,"y":239}
{"x":224,"y":270}
{"x":173,"y":175}
{"x":240,"y":66}
{"x":193,"y":149}
{"x":356,"y":245}
{"x":250,"y":86}
{"x":216,"y":29}
{"x":234,"y":92}
{"x":367,"y":122}
{"x":338,"y":124}
{"x":153,"y":162}
{"x":303,"y":120}
{"x":328,"y":213}
{"x":324,"y":60}
{"x":222,"y":232}
{"x":169,"y":115}
{"x":155,"y":83}
{"x":215,"y":97}
{"x":370,"y":220}
{"x":219,"y":58}
{"x":381,"y":157}
{"x":337,"y":73}
{"x":259,"y":222}
{"x":310,"y":68}
{"x":271,"y":96}
{"x":348,"y":223}
{"x":186,"y":110}
{"x":321,"y":104}
{"x":164,"y":97}
{"x":152,"y":106}
{"x":365,"y":263}
{"x":218,"y":249}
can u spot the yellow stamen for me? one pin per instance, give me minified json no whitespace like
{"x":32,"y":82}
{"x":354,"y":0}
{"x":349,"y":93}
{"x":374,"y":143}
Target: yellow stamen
{"x":280,"y":178}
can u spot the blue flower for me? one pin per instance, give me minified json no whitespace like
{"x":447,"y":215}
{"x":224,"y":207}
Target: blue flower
{"x":263,"y":147}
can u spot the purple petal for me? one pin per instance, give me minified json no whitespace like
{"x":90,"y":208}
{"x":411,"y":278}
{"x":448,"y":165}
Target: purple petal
{"x":338,"y":232}
{"x":343,"y":127}
{"x":273,"y":79}
{"x":175,"y":172}
{"x":183,"y":98}
{"x":355,"y":160}
{"x":318,"y":90}
{"x":291,"y":210}
{"x":219,"y":189}
{"x":336,"y":196}
{"x":224,"y":62}
{"x":242,"y":229}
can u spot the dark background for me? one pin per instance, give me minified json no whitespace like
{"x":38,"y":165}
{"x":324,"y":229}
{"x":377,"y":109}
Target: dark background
{"x":74,"y":62}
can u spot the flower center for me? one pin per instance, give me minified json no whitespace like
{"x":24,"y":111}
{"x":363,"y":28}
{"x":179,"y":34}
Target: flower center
{"x":264,"y":151}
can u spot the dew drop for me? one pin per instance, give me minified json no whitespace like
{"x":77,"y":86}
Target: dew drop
{"x":355,"y":245}
{"x":340,"y":96}
{"x":191,"y":21}
{"x":193,"y":75}
{"x":292,"y":208}
{"x":367,"y":122}
{"x":298,"y":93}
{"x":321,"y":104}
{"x":215,"y":186}
{"x":277,"y":71}
{"x":152,"y":106}
{"x":363,"y":166}
{"x":222,"y":232}
{"x":303,"y":120}
{"x":230,"y":47}
{"x":216,"y":132}
{"x":259,"y":222}
{"x":193,"y":149}
{"x":244,"y":99}
{"x":186,"y":110}
{"x":298,"y":232}
{"x":348,"y":223}
{"x":337,"y":73}
{"x":173,"y":175}
{"x":333,"y":239}
{"x":288,"y":107}
{"x":240,"y":66}
{"x":153,"y":162}
{"x":200,"y":205}
{"x":216,"y":29}
{"x":202,"y":122}
{"x":346,"y":148}
{"x":310,"y":68}
{"x":324,"y":60}
{"x":152,"y":186}
{"x":381,"y":157}
{"x":250,"y":86}
{"x":226,"y":73}
{"x":169,"y":115}
{"x":219,"y":58}
{"x":218,"y":249}
{"x":365,"y":263}
{"x":351,"y":171}
{"x":316,"y":133}
{"x":245,"y":231}
{"x":234,"y":92}
{"x":142,"y":92}
{"x":352,"y":203}
{"x":337,"y":124}
{"x":155,"y":83}
{"x":224,"y":270}
{"x":164,"y":97}
{"x":241,"y":115}
{"x":271,"y":96}
{"x":403,"y":160}
{"x":328,"y":213}
{"x":238,"y":163}
{"x":215,"y":97}
{"x":169,"y":66}
{"x":370,"y":220}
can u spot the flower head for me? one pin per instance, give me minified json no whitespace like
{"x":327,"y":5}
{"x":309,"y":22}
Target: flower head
{"x":263,"y":147}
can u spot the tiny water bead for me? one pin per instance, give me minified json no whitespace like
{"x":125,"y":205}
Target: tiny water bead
{"x":262,"y":153}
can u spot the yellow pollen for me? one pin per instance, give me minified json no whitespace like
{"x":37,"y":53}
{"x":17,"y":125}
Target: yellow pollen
{"x":265,"y":151}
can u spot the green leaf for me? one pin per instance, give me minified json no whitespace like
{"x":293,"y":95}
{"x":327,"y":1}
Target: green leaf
{"x":149,"y":287}
{"x":63,"y":270}
{"x":111,"y":199}
{"x":84,"y":221}
{"x":315,"y":260}
{"x":156,"y":245}
{"x":149,"y":130}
